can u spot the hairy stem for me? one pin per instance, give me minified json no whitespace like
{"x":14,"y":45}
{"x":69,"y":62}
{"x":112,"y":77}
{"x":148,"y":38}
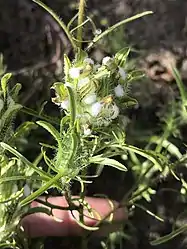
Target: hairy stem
{"x":80,"y":21}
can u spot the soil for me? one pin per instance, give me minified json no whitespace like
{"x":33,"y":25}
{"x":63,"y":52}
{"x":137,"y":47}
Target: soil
{"x":33,"y":46}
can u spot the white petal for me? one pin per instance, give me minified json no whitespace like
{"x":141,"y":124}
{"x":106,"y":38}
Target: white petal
{"x":98,"y":31}
{"x":119,"y":92}
{"x":89,"y":61}
{"x":122,"y":73}
{"x":106,"y":60}
{"x":90,"y":99}
{"x":74,"y":72}
{"x":65,"y":104}
{"x":87,"y":132}
{"x":27,"y":190}
{"x":96,"y":108}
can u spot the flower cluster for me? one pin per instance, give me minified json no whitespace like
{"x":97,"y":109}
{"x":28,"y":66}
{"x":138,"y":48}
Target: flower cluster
{"x":98,"y":90}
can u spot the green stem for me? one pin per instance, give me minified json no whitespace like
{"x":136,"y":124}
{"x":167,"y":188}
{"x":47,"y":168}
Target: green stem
{"x":72,"y":107}
{"x":80,"y":21}
{"x":41,"y":190}
{"x":56,"y":178}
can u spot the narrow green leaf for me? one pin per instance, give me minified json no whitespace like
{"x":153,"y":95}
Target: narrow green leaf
{"x":50,"y":183}
{"x":108,"y":162}
{"x":128,"y":101}
{"x":15,"y":178}
{"x":110,"y":29}
{"x":170,"y":147}
{"x":4,"y":83}
{"x":51,"y":130}
{"x":180,"y":85}
{"x":67,"y":66}
{"x":156,"y":158}
{"x":24,"y":129}
{"x":15,"y":91}
{"x":42,"y":173}
{"x":170,"y":236}
{"x":121,"y":56}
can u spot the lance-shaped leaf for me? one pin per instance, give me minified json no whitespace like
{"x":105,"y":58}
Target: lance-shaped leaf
{"x":67,"y":66}
{"x":107,"y":162}
{"x":121,"y":56}
{"x":4,"y":83}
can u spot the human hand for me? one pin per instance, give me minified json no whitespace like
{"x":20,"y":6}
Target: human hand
{"x":40,"y":224}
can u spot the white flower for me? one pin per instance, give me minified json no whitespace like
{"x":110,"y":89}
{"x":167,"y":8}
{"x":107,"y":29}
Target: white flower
{"x":65,"y":104}
{"x":26,"y":190}
{"x":90,"y":99}
{"x":115,"y":111}
{"x":96,"y":108}
{"x":89,"y":61}
{"x":106,"y":60}
{"x":87,"y":131}
{"x":83,"y":82}
{"x":97,"y":32}
{"x":122,"y":73}
{"x":74,"y":72}
{"x":119,"y":91}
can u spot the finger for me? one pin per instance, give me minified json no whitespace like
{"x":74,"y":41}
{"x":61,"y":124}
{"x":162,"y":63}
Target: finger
{"x":62,"y":223}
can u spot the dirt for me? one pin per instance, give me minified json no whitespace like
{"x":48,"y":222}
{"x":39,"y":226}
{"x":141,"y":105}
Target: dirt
{"x":33,"y":46}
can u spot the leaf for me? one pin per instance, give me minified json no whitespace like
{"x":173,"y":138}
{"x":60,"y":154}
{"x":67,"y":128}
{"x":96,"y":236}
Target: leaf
{"x":67,"y":66}
{"x":12,"y":178}
{"x":4,"y":83}
{"x":52,"y":120}
{"x":51,"y":130}
{"x":2,"y":66}
{"x":170,"y":147}
{"x":107,"y":162}
{"x":128,"y":101}
{"x":15,"y":91}
{"x":61,"y":92}
{"x":48,"y":161}
{"x":135,"y":75}
{"x":6,"y":121}
{"x":156,"y":158}
{"x":110,"y":29}
{"x":53,"y":181}
{"x":42,"y":173}
{"x":121,"y":56}
{"x":170,"y":236}
{"x":180,"y":85}
{"x":24,"y":129}
{"x":80,"y":56}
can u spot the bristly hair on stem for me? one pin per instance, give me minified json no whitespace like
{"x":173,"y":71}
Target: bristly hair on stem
{"x":81,"y":13}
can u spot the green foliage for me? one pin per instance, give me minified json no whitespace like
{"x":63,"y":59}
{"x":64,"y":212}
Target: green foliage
{"x":90,"y":132}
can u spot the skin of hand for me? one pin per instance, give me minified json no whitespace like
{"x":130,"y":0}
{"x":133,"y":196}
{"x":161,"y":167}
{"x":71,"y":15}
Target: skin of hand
{"x":64,"y":224}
